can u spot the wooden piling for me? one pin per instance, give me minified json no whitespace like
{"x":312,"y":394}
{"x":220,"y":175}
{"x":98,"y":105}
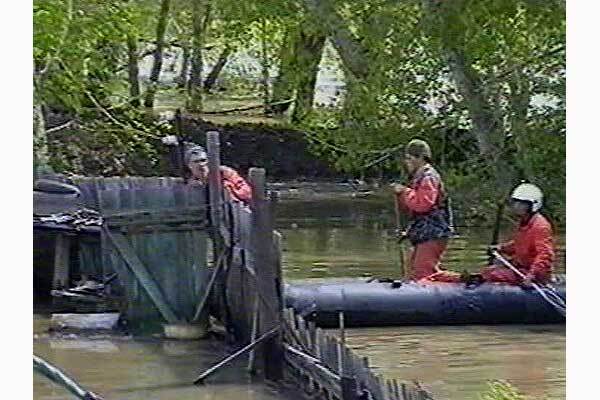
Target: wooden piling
{"x":214,"y":178}
{"x":266,"y":275}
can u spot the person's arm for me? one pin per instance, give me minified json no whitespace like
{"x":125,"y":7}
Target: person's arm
{"x":236,"y":185}
{"x":544,"y":252}
{"x":423,"y":198}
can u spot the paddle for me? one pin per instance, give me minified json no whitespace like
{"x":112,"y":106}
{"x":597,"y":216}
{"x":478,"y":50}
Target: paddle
{"x":496,"y":233}
{"x":400,"y":236}
{"x":556,"y":301}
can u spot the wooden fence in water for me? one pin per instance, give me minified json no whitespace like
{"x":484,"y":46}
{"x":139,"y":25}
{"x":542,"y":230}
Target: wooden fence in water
{"x":157,"y":234}
{"x":328,"y":369}
{"x":249,"y":297}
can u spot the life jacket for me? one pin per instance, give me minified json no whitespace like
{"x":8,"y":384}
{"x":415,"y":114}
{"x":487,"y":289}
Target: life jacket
{"x":434,"y":223}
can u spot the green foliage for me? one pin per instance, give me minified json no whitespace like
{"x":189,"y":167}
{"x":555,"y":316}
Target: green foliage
{"x":517,"y":52}
{"x":501,"y":390}
{"x":100,"y":147}
{"x":87,"y":50}
{"x":514,"y":48}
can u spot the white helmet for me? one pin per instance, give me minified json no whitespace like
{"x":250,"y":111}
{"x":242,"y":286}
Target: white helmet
{"x":529,"y":192}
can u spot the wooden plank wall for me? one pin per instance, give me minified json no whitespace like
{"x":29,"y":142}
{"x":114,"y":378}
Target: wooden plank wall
{"x":165,"y":225}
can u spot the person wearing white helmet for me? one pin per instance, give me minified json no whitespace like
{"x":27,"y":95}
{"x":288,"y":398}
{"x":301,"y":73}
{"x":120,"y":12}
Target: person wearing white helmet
{"x":531,"y":250}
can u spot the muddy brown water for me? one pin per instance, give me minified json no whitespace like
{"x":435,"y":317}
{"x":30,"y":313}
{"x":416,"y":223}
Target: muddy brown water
{"x":320,"y":242}
{"x":126,"y":368}
{"x":453,"y":362}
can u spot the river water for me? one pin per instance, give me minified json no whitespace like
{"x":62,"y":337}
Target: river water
{"x":353,"y":240}
{"x":126,"y":368}
{"x":324,"y":240}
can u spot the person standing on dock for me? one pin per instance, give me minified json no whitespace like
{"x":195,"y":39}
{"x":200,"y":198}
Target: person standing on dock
{"x":196,"y":160}
{"x":424,"y":201}
{"x":531,"y":250}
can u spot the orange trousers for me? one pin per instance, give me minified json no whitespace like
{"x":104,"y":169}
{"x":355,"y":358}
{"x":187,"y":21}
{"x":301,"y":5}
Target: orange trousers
{"x":425,"y":261}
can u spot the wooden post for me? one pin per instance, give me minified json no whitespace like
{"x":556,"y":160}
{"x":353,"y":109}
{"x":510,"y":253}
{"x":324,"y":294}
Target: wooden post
{"x":266,"y":275}
{"x":349,"y":388}
{"x":214,"y":177}
{"x":253,"y":334}
{"x":61,"y":262}
{"x":342,"y":343}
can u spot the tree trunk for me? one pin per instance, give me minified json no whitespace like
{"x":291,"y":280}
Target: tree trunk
{"x":195,"y":85}
{"x":470,"y":87}
{"x":264,"y":62}
{"x":211,"y":79}
{"x":133,"y":70}
{"x":520,"y":96}
{"x":283,"y":87}
{"x":185,"y":66}
{"x":310,"y":51}
{"x":161,"y":28}
{"x":40,"y":139}
{"x":300,"y":56}
{"x":487,"y":128}
{"x":353,"y":54}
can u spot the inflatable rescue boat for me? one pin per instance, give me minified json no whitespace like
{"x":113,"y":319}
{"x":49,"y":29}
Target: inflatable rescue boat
{"x":397,"y":303}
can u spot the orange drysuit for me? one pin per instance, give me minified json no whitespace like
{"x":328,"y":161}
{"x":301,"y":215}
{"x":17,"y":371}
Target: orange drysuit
{"x":430,"y":231}
{"x":531,"y":251}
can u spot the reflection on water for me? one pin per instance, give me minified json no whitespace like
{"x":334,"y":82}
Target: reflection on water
{"x":124,"y":368}
{"x":454,"y":362}
{"x":336,"y":248}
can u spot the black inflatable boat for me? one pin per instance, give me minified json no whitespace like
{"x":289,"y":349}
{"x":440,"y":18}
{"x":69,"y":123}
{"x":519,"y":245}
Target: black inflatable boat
{"x":411,"y":303}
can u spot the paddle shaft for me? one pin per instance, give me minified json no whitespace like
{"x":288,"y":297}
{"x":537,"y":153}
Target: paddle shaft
{"x":496,"y":233}
{"x":559,"y":307}
{"x":400,"y":238}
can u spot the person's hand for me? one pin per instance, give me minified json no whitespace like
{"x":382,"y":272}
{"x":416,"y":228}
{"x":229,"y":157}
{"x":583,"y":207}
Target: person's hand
{"x":493,"y":248}
{"x":527,"y":282}
{"x":195,"y":182}
{"x":398,"y":188}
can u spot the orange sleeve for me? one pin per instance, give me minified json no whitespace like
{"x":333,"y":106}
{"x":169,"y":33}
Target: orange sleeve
{"x":421,"y":199}
{"x":236,"y":185}
{"x":544,"y":249}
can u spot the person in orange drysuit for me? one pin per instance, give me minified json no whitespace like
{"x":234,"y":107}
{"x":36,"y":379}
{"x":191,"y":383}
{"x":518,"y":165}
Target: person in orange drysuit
{"x":424,"y":201}
{"x":531,"y":250}
{"x":196,"y":160}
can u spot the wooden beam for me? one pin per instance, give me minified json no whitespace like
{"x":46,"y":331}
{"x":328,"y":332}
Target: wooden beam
{"x":209,"y":287}
{"x":142,"y":275}
{"x":238,"y":353}
{"x":62,"y":250}
{"x":252,"y":356}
